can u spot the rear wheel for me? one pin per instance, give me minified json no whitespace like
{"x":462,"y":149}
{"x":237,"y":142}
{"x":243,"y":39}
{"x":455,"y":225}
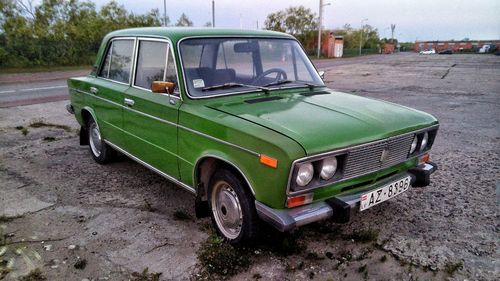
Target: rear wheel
{"x":232,"y":208}
{"x":100,"y":151}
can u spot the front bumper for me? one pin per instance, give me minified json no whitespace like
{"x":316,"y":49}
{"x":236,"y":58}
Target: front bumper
{"x":338,"y":208}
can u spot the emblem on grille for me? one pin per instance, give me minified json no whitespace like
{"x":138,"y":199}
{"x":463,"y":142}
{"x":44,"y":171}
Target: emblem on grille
{"x":384,"y":155}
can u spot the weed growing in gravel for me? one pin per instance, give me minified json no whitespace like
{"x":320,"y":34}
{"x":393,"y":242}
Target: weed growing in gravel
{"x":220,"y":258}
{"x":145,"y":275}
{"x":34,"y":275}
{"x":40,"y":124}
{"x":8,"y":219}
{"x":451,"y":267}
{"x":363,"y":236}
{"x":80,"y":264}
{"x":23,"y":130}
{"x":257,"y":276}
{"x":363,"y":270}
{"x":182,"y":215}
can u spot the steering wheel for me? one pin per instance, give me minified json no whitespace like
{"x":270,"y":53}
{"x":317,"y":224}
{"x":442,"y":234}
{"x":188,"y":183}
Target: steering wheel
{"x":280,"y":75}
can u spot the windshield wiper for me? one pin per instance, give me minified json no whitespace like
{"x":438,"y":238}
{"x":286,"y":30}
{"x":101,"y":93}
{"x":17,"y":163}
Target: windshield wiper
{"x":233,"y":85}
{"x":278,"y":82}
{"x":285,"y":81}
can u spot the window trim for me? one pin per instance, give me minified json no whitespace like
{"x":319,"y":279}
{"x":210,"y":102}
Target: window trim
{"x":136,"y":57}
{"x":110,"y":44}
{"x":186,"y":91}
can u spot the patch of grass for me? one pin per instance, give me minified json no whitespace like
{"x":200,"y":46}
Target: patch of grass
{"x":285,"y":244}
{"x":49,"y":139}
{"x":149,"y":207}
{"x":41,"y":124}
{"x":257,"y":276}
{"x":182,"y":215}
{"x":145,"y":275}
{"x":313,"y":256}
{"x":221,"y":258}
{"x":8,"y":219}
{"x":34,"y":275}
{"x":364,"y":271}
{"x":363,"y":236}
{"x":345,"y":256}
{"x":35,"y":69}
{"x":80,"y":264}
{"x":452,"y":267}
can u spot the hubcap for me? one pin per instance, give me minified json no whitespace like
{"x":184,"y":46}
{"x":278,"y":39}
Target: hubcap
{"x":95,"y":139}
{"x":227,"y":210}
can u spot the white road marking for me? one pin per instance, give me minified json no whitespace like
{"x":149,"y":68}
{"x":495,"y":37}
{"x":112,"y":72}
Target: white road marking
{"x":33,"y":89}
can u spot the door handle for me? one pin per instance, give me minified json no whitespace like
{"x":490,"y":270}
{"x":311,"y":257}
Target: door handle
{"x":129,"y":102}
{"x":94,"y":90}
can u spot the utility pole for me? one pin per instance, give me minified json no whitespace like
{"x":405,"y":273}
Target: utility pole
{"x":164,"y":12}
{"x":213,"y":13}
{"x":361,"y":35}
{"x":393,"y":27}
{"x":320,"y":21}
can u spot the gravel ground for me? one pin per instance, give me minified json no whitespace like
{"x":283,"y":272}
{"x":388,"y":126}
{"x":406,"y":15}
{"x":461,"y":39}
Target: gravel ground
{"x":74,"y":219}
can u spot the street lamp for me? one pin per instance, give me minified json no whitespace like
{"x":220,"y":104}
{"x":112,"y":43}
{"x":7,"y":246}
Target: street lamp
{"x":213,"y":13}
{"x":361,"y":35}
{"x":321,"y":5}
{"x":164,"y":12}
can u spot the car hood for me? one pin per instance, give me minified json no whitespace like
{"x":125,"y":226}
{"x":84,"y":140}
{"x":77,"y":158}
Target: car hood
{"x":327,"y":120}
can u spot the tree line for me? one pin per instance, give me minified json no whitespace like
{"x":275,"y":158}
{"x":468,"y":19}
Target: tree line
{"x":302,"y":23}
{"x":69,"y":32}
{"x":63,"y":32}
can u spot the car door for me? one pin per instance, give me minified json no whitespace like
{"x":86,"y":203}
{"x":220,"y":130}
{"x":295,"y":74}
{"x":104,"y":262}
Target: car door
{"x":150,"y":119}
{"x":105,"y":95}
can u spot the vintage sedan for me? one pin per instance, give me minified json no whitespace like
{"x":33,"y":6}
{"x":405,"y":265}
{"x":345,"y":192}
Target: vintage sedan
{"x":243,"y":120}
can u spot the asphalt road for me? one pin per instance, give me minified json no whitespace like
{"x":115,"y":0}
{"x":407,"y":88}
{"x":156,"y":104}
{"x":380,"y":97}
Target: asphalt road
{"x":32,"y":93}
{"x":25,"y":93}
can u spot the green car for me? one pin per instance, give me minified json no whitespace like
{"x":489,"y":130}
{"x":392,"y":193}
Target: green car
{"x":243,"y":120}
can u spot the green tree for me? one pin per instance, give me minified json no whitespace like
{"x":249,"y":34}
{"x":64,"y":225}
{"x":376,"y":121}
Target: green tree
{"x":293,"y":20}
{"x":184,"y":21}
{"x":60,"y":32}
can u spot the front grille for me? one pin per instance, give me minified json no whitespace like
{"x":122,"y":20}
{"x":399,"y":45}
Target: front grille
{"x":365,"y":159}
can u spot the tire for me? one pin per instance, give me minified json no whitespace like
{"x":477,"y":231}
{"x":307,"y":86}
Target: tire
{"x":100,"y":151}
{"x":232,"y":208}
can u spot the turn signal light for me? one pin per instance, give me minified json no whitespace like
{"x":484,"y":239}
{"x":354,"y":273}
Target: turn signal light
{"x":268,"y":161}
{"x":299,"y":200}
{"x":424,"y":159}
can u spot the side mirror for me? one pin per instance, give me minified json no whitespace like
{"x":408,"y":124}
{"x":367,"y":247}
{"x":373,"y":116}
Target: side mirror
{"x":162,"y":87}
{"x":321,"y":74}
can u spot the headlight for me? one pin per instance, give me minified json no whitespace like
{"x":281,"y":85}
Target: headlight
{"x":425,"y":140}
{"x":414,"y":144}
{"x":304,"y":174}
{"x":328,"y":168}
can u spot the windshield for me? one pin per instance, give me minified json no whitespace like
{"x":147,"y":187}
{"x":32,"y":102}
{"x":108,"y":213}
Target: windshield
{"x":216,"y":66}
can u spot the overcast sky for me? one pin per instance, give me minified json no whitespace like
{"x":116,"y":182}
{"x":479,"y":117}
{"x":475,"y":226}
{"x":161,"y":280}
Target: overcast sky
{"x":414,"y":19}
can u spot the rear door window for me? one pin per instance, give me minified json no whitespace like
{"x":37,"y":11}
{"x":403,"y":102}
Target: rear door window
{"x":118,"y":61}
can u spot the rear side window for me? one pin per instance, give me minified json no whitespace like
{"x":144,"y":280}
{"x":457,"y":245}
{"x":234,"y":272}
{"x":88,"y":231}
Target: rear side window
{"x":118,"y":62}
{"x":151,"y":62}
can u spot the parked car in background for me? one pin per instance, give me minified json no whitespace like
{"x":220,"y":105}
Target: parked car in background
{"x":446,"y":52}
{"x":243,"y":121}
{"x":428,"y":52}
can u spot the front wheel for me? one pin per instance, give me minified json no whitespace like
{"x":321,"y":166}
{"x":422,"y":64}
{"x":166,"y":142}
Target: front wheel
{"x":100,"y":151}
{"x":232,"y":208}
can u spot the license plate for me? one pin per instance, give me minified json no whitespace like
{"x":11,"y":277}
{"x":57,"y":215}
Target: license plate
{"x":384,"y":193}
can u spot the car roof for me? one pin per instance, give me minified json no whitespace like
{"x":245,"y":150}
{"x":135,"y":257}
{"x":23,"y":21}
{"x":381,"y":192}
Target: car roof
{"x":177,"y":33}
